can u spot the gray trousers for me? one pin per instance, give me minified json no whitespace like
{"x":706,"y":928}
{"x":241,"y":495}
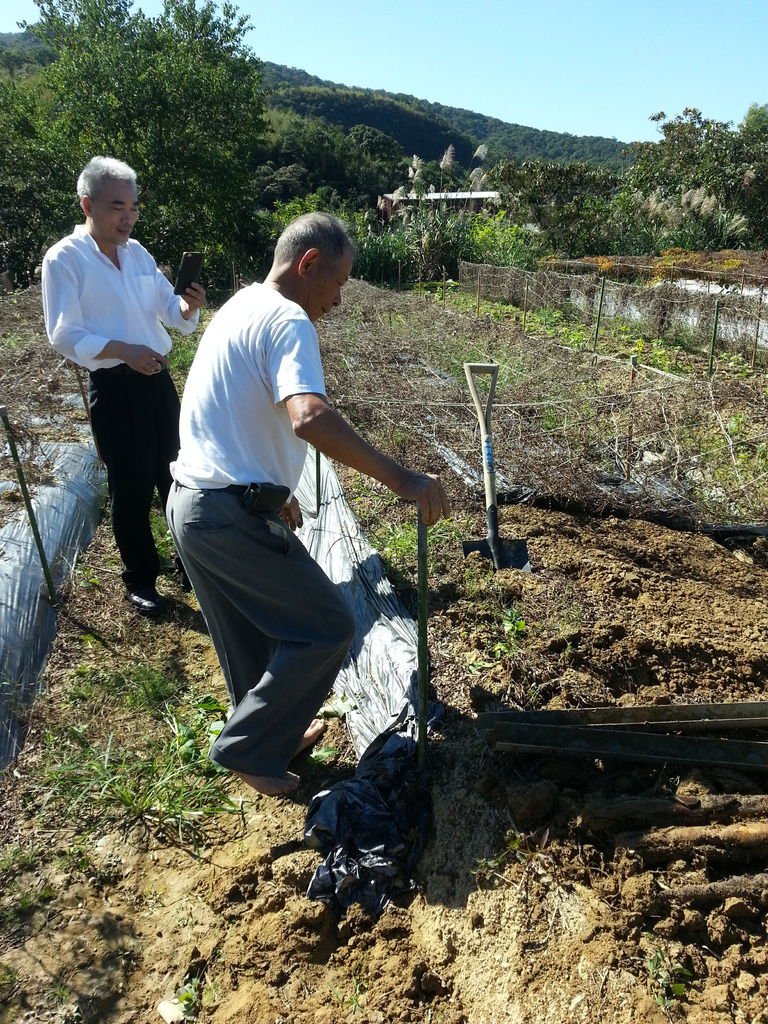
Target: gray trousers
{"x":280,"y":627}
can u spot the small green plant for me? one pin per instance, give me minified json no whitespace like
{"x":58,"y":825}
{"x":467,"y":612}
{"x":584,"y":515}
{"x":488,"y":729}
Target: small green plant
{"x":351,"y":1000}
{"x":518,"y":848}
{"x":189,"y":997}
{"x":15,"y":859}
{"x":20,"y":904}
{"x":7,"y":982}
{"x":668,"y":976}
{"x":161,"y":535}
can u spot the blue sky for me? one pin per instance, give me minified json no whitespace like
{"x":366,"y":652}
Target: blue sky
{"x":580,"y":66}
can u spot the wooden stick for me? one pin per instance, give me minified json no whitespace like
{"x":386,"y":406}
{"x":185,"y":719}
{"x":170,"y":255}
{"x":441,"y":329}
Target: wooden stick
{"x":709,"y":894}
{"x":600,"y":814}
{"x":668,"y":843}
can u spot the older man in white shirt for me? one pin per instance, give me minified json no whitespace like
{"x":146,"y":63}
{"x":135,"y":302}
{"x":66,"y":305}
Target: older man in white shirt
{"x":105,"y":303}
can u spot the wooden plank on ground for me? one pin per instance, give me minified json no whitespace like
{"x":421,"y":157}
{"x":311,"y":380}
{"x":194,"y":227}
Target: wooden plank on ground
{"x":528,"y":737}
{"x":655,"y":717}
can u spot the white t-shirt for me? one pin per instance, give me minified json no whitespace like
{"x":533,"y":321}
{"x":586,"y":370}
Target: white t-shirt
{"x":87,"y":301}
{"x":258,"y":350}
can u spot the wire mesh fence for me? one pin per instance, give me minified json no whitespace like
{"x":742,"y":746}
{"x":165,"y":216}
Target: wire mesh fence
{"x":594,"y":431}
{"x":697,"y":315}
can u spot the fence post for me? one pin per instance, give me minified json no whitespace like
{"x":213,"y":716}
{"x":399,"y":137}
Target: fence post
{"x":525,"y":305}
{"x":28,"y":505}
{"x":714,"y":338}
{"x":599,"y":314}
{"x":443,"y":287}
{"x":631,"y":427}
{"x":479,"y":274}
{"x":318,"y":500}
{"x":757,"y":325}
{"x":399,"y":273}
{"x":422,"y":659}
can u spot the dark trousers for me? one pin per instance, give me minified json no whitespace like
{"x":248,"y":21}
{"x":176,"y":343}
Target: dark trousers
{"x":135,"y":422}
{"x":280,"y":627}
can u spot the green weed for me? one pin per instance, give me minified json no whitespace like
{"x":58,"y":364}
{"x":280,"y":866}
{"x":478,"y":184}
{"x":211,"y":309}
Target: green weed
{"x":136,"y":686}
{"x":172,"y":787}
{"x":15,"y":859}
{"x":8,"y":979}
{"x":20,"y":904}
{"x":668,"y":976}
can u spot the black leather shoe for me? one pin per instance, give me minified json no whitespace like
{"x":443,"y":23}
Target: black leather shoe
{"x":146,"y":601}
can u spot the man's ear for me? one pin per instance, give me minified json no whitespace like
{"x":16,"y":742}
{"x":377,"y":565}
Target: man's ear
{"x":85,"y":205}
{"x":308,"y":261}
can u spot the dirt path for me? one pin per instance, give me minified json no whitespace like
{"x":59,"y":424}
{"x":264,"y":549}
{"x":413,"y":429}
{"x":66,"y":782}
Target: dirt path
{"x":552,"y":888}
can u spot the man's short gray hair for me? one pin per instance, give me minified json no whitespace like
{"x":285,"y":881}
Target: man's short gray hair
{"x":312,"y":231}
{"x":101,"y":169}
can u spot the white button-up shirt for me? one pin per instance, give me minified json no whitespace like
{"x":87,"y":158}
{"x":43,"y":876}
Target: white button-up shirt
{"x":88,"y":302}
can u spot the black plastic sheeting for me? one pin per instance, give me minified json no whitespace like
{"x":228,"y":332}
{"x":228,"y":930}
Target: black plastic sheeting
{"x":371,"y":828}
{"x":67,"y":512}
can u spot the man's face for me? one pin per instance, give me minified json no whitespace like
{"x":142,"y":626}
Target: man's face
{"x":324,"y":283}
{"x":113,"y":211}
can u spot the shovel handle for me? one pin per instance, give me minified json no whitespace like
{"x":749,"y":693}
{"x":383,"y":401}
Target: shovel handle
{"x":483,"y":415}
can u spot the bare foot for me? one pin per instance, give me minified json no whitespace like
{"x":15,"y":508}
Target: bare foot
{"x":314,"y":731}
{"x":278,"y":785}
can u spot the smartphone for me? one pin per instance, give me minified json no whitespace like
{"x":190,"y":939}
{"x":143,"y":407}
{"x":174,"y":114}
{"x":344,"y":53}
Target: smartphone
{"x":189,"y":271}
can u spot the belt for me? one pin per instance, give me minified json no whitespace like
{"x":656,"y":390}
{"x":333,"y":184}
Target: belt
{"x":121,"y":368}
{"x":259,"y":497}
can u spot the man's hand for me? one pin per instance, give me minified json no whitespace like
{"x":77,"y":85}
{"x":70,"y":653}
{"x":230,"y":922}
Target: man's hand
{"x":428,"y":494}
{"x":192,"y":299}
{"x":291,"y":515}
{"x":140,"y":358}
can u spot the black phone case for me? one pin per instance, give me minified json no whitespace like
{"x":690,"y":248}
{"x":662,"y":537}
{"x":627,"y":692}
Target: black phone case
{"x":189,"y":271}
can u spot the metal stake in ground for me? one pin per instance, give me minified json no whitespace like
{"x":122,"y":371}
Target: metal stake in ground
{"x":422,"y":650}
{"x":28,"y":505}
{"x":505,"y":554}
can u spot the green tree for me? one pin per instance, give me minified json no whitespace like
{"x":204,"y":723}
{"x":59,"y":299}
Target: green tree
{"x":696,"y":153}
{"x":179,"y":97}
{"x":570,"y":203}
{"x":37,"y":204}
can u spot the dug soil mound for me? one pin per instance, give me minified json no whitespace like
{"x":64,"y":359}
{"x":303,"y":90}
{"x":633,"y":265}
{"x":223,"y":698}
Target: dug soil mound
{"x":554,"y":887}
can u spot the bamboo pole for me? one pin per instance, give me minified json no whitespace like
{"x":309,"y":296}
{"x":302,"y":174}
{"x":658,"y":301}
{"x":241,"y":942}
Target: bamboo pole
{"x":317,"y":480}
{"x":28,"y":504}
{"x":599,"y":314}
{"x":443,"y":287}
{"x":757,"y":326}
{"x":423,"y":653}
{"x":713,"y":340}
{"x":479,"y":274}
{"x":399,"y":274}
{"x":79,"y":379}
{"x":525,"y":305}
{"x":631,"y":427}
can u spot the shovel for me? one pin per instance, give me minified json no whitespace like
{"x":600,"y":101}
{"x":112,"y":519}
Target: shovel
{"x":505,"y":554}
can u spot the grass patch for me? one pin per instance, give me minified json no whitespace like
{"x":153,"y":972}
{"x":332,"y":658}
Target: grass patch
{"x":138,"y":686}
{"x":170,"y":787}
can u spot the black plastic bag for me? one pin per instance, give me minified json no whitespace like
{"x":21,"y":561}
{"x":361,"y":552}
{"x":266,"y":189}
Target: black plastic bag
{"x":372,"y":827}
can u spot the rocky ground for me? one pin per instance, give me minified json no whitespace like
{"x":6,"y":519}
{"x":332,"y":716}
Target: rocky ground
{"x":554,"y":887}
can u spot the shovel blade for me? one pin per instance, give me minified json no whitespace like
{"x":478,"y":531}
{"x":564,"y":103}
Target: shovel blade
{"x":510,"y":554}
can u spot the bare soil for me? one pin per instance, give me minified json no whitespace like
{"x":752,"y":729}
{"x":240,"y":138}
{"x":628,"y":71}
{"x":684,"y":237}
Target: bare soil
{"x":553,"y":888}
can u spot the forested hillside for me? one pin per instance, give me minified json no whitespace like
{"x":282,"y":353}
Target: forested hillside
{"x":427,"y":128}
